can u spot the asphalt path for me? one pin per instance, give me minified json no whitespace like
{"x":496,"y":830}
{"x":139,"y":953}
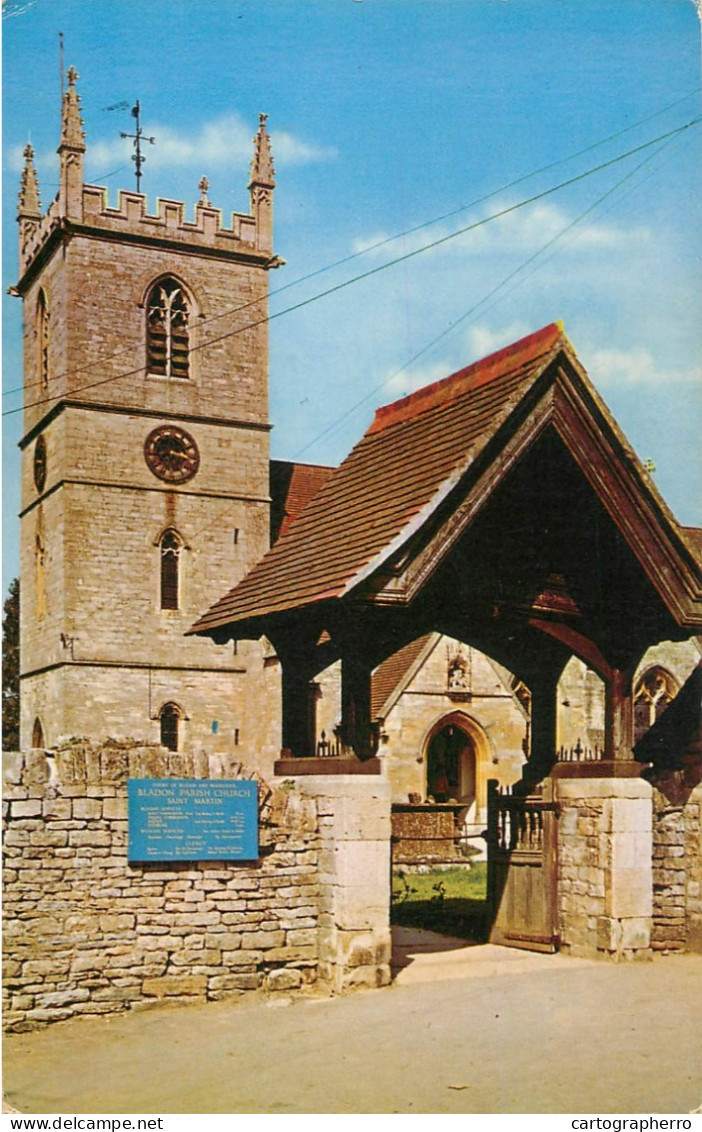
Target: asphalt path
{"x":461,"y":1030}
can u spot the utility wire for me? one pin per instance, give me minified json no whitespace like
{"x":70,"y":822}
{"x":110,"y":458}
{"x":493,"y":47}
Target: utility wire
{"x":472,"y":310}
{"x":382,"y":267}
{"x":605,"y":212}
{"x":550,"y":243}
{"x":488,"y":196}
{"x":387,"y":240}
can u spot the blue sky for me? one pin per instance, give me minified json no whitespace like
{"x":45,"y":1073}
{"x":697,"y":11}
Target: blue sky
{"x":386,"y":114}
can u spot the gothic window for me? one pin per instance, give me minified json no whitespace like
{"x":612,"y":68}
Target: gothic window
{"x":170,"y":726}
{"x":170,"y":548}
{"x":42,"y":327}
{"x":654,"y":692}
{"x":37,"y":734}
{"x":167,"y":332}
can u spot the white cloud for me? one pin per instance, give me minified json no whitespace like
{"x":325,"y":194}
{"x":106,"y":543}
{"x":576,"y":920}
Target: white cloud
{"x":409,"y":380}
{"x":635,"y":366}
{"x":483,"y":341}
{"x":522,"y":232}
{"x":478,"y":342}
{"x":221,"y":142}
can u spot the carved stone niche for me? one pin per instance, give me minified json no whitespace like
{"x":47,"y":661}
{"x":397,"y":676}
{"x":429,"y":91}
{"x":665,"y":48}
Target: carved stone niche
{"x":458,"y":678}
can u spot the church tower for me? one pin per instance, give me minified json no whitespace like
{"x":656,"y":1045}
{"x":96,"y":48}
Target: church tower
{"x":145,"y":453}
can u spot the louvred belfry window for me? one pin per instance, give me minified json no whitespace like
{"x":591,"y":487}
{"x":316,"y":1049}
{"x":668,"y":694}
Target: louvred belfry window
{"x":167,"y":330}
{"x":170,"y":569}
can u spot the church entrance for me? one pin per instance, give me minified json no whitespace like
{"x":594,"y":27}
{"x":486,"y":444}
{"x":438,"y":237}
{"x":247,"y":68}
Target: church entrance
{"x":439,"y":876}
{"x":451,"y":766}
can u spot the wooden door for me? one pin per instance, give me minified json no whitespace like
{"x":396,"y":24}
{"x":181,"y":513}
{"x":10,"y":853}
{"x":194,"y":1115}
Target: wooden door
{"x":522,"y":868}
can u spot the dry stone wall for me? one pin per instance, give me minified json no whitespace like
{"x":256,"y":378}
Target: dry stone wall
{"x":86,"y":932}
{"x":677,"y":871}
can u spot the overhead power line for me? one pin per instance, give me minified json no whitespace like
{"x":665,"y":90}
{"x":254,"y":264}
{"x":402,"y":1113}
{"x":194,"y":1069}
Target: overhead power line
{"x":386,"y":240}
{"x":500,"y":286}
{"x":481,"y":303}
{"x":384,"y":266}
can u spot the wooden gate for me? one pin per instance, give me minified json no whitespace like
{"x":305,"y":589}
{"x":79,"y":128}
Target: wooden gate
{"x":522,"y":868}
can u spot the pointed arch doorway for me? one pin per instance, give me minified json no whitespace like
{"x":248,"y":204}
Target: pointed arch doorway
{"x":438,"y":845}
{"x":456,"y":754}
{"x":451,"y":765}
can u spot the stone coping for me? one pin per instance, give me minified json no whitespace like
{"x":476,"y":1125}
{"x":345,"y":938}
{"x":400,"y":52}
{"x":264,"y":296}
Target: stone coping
{"x":599,"y":768}
{"x":428,"y":807}
{"x":290,"y":768}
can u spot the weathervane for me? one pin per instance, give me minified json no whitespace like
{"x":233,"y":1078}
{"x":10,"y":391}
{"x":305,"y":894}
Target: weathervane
{"x":138,"y":157}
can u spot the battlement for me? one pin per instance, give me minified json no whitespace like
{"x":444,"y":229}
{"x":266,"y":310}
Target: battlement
{"x":169,"y":220}
{"x":131,"y":218}
{"x":79,"y":205}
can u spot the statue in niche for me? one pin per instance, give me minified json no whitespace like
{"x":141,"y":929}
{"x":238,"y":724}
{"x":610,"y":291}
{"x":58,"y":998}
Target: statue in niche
{"x":458,"y":674}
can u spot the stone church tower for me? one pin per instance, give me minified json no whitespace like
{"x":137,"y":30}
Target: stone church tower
{"x":145,"y":454}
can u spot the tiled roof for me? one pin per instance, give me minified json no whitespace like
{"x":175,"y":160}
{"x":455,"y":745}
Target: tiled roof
{"x":412,"y":453}
{"x":389,"y":675}
{"x":292,"y":488}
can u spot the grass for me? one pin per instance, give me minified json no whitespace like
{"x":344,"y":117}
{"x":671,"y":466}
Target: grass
{"x":450,"y":901}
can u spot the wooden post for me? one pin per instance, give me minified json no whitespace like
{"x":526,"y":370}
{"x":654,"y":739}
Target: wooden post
{"x":298,"y":736}
{"x":544,"y":709}
{"x":619,"y":715}
{"x":356,"y":730}
{"x":295,"y":649}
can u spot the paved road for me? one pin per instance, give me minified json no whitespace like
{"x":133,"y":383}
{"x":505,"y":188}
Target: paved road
{"x":462,"y":1030}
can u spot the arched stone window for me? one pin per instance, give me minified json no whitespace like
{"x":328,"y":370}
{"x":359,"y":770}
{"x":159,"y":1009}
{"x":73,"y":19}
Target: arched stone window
{"x":170,"y":547}
{"x":167,"y":330}
{"x":38,"y":734}
{"x":42,"y":330}
{"x":170,"y":717}
{"x":654,"y":692}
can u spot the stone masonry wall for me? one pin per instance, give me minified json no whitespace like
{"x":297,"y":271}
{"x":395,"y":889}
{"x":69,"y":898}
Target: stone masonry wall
{"x":354,"y":878}
{"x":677,"y":873}
{"x":85,"y":932}
{"x":604,"y":867}
{"x":669,"y":875}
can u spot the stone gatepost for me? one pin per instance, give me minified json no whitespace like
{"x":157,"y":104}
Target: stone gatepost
{"x":605,"y":846}
{"x":354,"y":878}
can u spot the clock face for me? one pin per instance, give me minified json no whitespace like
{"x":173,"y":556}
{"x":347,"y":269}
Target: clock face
{"x":172,"y":454}
{"x":40,"y":464}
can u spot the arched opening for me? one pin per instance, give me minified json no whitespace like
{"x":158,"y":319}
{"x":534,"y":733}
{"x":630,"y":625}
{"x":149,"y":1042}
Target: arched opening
{"x":167,"y":329}
{"x":654,"y":691}
{"x":458,"y":758}
{"x":38,"y":734}
{"x":170,"y":547}
{"x":451,"y":765}
{"x":438,"y":851}
{"x":170,"y":717}
{"x":42,"y":331}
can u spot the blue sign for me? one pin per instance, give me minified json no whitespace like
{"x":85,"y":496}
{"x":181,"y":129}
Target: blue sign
{"x":186,"y":819}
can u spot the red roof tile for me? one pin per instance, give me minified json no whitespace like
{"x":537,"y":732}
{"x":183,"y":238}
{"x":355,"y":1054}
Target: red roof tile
{"x":465,"y":380}
{"x":394,"y":671}
{"x":293,"y":486}
{"x":409,"y":457}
